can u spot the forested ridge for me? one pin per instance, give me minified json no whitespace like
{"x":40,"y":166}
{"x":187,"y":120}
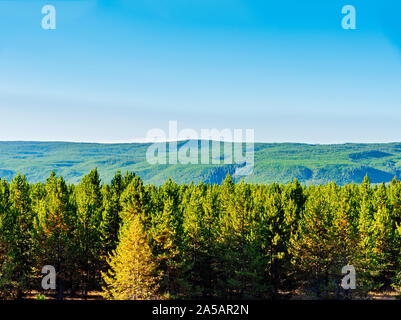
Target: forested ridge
{"x":274,"y":162}
{"x":229,"y":241}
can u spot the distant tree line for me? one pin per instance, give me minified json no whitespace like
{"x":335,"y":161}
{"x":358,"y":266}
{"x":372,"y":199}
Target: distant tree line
{"x":229,"y":241}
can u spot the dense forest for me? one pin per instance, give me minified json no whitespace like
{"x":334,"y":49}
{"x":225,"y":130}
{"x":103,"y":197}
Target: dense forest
{"x":274,"y":162}
{"x":230,"y":241}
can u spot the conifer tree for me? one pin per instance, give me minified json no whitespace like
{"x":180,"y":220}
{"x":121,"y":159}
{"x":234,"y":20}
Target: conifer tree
{"x":226,"y":193}
{"x":274,"y":234}
{"x":193,"y":242}
{"x":293,"y":202}
{"x":364,"y":262}
{"x":200,"y":228}
{"x":132,"y":274}
{"x":89,"y":211}
{"x":312,"y":245}
{"x":133,"y":201}
{"x":167,"y":240}
{"x":345,"y":232}
{"x":17,"y":230}
{"x":5,"y":270}
{"x":238,"y":225}
{"x":395,"y":201}
{"x":54,"y":224}
{"x":383,"y":234}
{"x":110,"y":224}
{"x":209,"y":233}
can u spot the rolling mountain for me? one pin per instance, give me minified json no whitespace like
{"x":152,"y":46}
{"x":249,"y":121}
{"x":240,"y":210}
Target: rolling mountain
{"x":274,"y":162}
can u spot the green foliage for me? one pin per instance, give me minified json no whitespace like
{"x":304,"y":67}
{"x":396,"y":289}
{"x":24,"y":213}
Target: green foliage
{"x":228,"y":241}
{"x":17,"y":232}
{"x":274,"y":162}
{"x":53,"y":226}
{"x":132,"y":274}
{"x":89,"y":213}
{"x":111,"y":220}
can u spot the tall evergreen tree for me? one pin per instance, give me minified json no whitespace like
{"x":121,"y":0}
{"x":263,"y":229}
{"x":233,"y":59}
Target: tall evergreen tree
{"x":5,"y":267}
{"x":345,"y":232}
{"x":274,"y":232}
{"x":17,"y":230}
{"x":132,"y":274}
{"x":89,"y":213}
{"x":312,"y":245}
{"x":110,"y":223}
{"x":54,"y":224}
{"x":134,"y":201}
{"x":383,"y":235}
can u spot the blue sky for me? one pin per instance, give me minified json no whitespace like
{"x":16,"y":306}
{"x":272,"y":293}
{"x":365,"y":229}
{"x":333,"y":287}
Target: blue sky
{"x":112,"y":70}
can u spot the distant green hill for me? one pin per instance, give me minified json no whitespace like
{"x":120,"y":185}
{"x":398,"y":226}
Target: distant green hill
{"x":274,"y":162}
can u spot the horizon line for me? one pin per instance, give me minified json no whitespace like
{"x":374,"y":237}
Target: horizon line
{"x":145,"y":141}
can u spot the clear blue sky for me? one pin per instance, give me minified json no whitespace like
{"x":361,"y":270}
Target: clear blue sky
{"x":112,"y":70}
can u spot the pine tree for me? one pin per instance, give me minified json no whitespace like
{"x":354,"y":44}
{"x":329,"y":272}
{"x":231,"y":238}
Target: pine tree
{"x":345,"y":232}
{"x":89,"y":211}
{"x":53,"y":226}
{"x":5,"y":271}
{"x":132,"y":274}
{"x":238,"y":225}
{"x":17,"y":231}
{"x":226,"y":193}
{"x":200,"y":229}
{"x":209,"y":233}
{"x":193,"y":242}
{"x":110,"y":224}
{"x":312,"y":245}
{"x":293,"y":202}
{"x":166,"y":229}
{"x":134,"y":201}
{"x":364,"y":261}
{"x":274,"y":234}
{"x":383,"y":234}
{"x":395,"y":251}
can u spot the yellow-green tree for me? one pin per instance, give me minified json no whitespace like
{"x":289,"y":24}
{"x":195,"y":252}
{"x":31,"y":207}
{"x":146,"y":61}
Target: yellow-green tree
{"x":132,"y":274}
{"x":53,"y":229}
